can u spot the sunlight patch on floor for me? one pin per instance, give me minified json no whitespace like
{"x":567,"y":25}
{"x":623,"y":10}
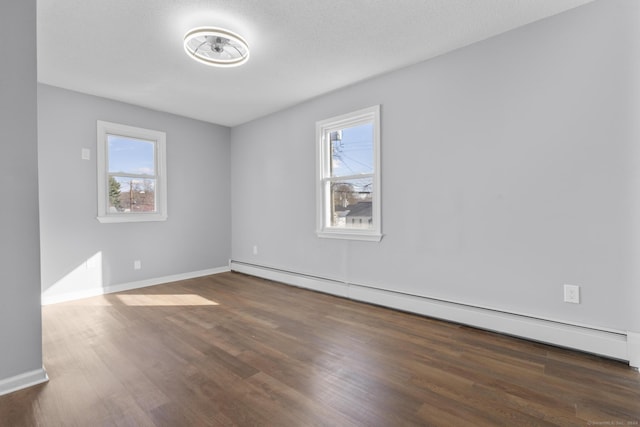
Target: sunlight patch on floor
{"x":164,"y":300}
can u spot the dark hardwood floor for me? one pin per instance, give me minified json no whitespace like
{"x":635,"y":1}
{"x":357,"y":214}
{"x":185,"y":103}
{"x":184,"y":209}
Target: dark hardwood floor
{"x":232,"y":349}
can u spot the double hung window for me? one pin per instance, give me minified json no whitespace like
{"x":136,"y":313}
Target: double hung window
{"x":131,"y":174}
{"x":348,"y":178}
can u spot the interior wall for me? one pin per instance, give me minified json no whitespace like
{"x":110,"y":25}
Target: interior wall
{"x":78,"y":252}
{"x":508,"y":170}
{"x":20,"y":317}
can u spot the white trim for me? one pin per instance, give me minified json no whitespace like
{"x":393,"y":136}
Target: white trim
{"x":159,"y":139}
{"x":349,"y":234}
{"x":323,"y":159}
{"x":605,"y":342}
{"x":87,"y":293}
{"x":633,"y":339}
{"x":131,"y":217}
{"x":24,"y":380}
{"x":308,"y":282}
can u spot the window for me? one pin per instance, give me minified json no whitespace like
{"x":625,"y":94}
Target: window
{"x":348,"y":164}
{"x":132,"y":182}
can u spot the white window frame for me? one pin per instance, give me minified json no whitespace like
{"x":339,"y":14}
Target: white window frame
{"x":159,"y":140}
{"x":324,"y":180}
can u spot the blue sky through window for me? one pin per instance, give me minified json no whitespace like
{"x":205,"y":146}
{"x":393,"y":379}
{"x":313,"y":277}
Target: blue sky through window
{"x":130,"y":156}
{"x":353,"y":155}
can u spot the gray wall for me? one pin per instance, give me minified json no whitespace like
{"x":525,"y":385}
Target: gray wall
{"x":20,"y":319}
{"x":508,"y":169}
{"x":196,"y":235}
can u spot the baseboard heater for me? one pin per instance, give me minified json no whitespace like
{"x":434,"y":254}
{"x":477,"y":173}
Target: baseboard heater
{"x":608,"y":343}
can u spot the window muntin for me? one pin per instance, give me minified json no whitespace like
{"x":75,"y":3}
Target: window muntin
{"x":348,"y":176}
{"x":131,"y":177}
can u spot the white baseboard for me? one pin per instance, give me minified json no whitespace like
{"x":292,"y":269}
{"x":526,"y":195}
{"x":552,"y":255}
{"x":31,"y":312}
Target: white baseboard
{"x":27,"y":379}
{"x":302,"y":281}
{"x":600,"y":341}
{"x":87,"y":293}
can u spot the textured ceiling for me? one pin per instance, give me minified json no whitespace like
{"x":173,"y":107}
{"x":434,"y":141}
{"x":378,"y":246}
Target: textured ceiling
{"x":131,"y":50}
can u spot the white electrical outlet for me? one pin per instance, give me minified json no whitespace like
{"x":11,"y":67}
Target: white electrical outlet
{"x":137,"y":265}
{"x":255,"y":249}
{"x":572,"y":294}
{"x":85,"y":154}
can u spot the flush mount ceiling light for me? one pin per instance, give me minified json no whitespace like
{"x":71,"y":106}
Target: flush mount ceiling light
{"x":216,"y":47}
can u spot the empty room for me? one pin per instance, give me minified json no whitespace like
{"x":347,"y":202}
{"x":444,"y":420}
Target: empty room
{"x":336,"y":213}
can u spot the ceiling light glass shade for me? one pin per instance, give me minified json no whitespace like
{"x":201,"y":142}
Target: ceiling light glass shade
{"x":216,"y":47}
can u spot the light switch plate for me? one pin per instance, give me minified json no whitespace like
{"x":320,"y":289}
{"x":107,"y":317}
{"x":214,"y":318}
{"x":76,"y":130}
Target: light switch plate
{"x":572,"y":294}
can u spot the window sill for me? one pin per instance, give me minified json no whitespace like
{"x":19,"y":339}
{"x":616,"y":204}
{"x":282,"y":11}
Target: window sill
{"x":350,"y":235}
{"x":131,"y":218}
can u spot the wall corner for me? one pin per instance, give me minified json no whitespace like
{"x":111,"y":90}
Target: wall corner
{"x":633,"y":349}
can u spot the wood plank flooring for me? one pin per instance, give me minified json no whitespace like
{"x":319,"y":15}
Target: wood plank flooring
{"x":231,"y":349}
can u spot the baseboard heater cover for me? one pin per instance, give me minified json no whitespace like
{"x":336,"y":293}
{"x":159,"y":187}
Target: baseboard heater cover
{"x":27,"y":379}
{"x":598,"y":341}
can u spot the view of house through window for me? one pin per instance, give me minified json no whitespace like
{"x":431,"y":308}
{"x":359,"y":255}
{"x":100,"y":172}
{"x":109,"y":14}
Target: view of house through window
{"x":348,"y":165}
{"x":352,"y":165}
{"x":132,"y":180}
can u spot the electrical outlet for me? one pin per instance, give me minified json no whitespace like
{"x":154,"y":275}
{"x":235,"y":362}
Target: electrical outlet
{"x":255,"y":249}
{"x":85,"y":154}
{"x":137,"y":265}
{"x":572,"y":294}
